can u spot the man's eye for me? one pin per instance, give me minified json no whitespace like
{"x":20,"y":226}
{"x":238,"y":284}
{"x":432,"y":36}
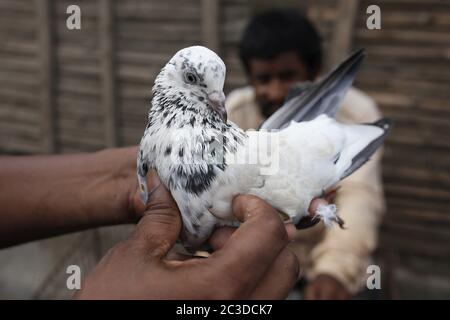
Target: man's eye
{"x":263,"y":78}
{"x":190,"y":78}
{"x":287,"y":75}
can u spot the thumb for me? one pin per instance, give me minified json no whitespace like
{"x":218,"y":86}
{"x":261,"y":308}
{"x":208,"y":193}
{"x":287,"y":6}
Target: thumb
{"x":160,"y":224}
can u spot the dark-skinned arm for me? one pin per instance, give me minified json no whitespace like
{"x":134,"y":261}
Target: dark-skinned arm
{"x":42,"y":196}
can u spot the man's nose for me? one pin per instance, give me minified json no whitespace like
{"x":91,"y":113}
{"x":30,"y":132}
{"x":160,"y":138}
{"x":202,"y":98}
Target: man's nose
{"x":276,"y":91}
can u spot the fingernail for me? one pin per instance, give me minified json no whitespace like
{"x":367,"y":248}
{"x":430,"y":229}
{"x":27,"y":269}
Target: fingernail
{"x":153,"y":183}
{"x":143,"y":195}
{"x":142,"y":185}
{"x":148,"y":185}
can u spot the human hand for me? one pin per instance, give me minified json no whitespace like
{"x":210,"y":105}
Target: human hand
{"x":326,"y":287}
{"x":250,"y":262}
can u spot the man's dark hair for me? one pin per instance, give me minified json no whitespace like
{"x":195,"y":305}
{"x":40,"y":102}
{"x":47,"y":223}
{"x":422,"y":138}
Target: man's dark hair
{"x":278,"y":31}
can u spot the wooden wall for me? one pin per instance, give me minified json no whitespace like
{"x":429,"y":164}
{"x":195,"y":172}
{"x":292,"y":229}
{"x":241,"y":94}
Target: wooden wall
{"x":20,"y":77}
{"x":83,"y":90}
{"x":408,"y":74}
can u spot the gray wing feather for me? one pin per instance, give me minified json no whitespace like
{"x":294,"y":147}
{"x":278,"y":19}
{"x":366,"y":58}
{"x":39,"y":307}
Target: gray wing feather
{"x":310,"y":100}
{"x":364,"y":155}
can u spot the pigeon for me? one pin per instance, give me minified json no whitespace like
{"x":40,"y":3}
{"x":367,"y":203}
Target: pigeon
{"x":206,"y":160}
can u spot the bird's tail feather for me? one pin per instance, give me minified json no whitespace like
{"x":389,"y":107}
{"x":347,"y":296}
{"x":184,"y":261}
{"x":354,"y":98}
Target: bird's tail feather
{"x":314,"y":99}
{"x":357,"y":155}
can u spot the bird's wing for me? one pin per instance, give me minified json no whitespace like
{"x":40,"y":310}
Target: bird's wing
{"x":371,"y":140}
{"x":344,"y":146}
{"x":313,"y":99}
{"x":307,"y":158}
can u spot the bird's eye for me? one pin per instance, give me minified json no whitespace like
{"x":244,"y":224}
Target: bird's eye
{"x":190,"y":78}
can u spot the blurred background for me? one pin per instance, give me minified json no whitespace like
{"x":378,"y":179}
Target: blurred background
{"x":65,"y":91}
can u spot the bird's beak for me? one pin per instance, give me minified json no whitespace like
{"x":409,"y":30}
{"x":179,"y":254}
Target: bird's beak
{"x":217,"y":102}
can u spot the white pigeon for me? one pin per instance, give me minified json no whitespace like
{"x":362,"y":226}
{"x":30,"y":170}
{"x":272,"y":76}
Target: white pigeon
{"x":205,"y":160}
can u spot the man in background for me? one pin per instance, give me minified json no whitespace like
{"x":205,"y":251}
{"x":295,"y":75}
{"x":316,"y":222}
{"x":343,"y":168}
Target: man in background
{"x":279,"y":49}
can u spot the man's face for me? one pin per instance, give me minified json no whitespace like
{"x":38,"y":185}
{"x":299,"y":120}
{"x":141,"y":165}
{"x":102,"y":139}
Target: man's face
{"x":272,"y":79}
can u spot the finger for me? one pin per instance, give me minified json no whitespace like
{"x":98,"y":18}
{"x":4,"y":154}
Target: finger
{"x":311,"y":293}
{"x":220,"y":237}
{"x":254,"y":246}
{"x":160,"y":225}
{"x":343,"y":295}
{"x":331,"y":196}
{"x":333,"y":189}
{"x":175,"y":256}
{"x":326,"y":293}
{"x":291,"y":231}
{"x":153,"y":182}
{"x":279,"y":279}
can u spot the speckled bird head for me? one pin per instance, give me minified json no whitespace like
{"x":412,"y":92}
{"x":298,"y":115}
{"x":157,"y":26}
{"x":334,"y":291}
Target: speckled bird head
{"x":193,"y":79}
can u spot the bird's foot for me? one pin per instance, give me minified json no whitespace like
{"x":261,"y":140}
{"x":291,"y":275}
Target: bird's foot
{"x":328,"y":214}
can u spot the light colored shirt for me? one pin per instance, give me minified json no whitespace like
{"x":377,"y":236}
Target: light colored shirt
{"x":343,"y":254}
